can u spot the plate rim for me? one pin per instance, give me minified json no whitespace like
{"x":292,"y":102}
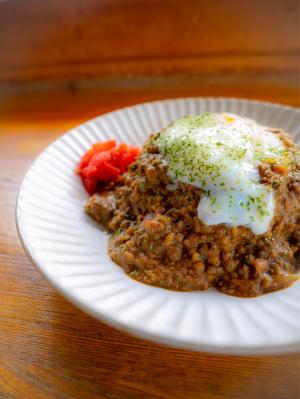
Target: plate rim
{"x":122,"y":325}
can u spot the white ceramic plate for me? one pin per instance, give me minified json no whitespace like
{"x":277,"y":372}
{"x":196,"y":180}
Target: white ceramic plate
{"x":70,"y":250}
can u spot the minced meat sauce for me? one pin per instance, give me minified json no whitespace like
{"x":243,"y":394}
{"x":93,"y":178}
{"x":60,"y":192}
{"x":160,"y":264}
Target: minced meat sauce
{"x":158,"y":238}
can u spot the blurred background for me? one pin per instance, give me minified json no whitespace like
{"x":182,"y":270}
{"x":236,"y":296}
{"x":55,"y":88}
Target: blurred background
{"x":112,"y":52}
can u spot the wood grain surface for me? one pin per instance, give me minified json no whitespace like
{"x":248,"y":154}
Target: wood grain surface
{"x":50,"y":349}
{"x":67,"y":40}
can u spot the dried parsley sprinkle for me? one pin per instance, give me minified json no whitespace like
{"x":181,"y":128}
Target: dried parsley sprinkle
{"x":213,"y":201}
{"x":116,"y":233}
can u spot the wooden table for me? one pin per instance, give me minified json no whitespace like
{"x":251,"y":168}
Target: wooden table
{"x":50,"y":349}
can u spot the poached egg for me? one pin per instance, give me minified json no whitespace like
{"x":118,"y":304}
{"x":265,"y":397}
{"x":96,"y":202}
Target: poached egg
{"x":220,"y":154}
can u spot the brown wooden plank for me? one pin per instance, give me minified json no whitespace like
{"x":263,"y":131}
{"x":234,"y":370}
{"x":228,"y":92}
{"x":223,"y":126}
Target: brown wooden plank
{"x":90,"y":97}
{"x":122,"y":37}
{"x":182,"y":68}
